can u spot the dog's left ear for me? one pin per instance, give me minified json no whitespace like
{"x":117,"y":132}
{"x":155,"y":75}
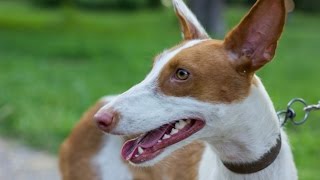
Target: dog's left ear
{"x":191,"y":27}
{"x":253,"y":42}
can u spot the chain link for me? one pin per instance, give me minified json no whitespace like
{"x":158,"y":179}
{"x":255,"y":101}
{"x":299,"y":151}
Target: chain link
{"x":312,"y":107}
{"x":290,"y":115}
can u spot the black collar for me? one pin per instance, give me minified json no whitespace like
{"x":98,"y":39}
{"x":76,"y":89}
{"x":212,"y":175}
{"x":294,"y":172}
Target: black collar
{"x":266,"y":160}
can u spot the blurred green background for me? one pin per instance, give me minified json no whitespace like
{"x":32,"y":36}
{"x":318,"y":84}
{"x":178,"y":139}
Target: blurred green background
{"x":57,"y":57}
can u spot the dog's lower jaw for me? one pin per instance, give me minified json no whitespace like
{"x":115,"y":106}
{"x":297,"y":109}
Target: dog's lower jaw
{"x":167,"y":152}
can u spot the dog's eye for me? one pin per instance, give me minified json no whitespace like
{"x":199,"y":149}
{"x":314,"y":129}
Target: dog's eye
{"x":182,"y":74}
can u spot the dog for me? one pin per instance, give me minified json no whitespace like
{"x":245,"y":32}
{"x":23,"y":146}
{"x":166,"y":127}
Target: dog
{"x":201,"y":113}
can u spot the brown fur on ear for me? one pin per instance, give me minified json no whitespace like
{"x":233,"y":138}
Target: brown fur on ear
{"x":253,"y":42}
{"x":191,"y":28}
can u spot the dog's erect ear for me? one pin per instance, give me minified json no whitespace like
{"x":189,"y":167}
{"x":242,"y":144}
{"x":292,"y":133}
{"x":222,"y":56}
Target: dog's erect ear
{"x":253,"y":42}
{"x":191,"y":28}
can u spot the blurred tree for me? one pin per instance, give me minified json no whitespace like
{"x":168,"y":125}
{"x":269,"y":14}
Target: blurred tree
{"x":210,"y":14}
{"x":240,"y":1}
{"x":99,"y":4}
{"x":154,"y":3}
{"x":305,"y":5}
{"x":68,"y":12}
{"x":309,"y":6}
{"x":47,"y":3}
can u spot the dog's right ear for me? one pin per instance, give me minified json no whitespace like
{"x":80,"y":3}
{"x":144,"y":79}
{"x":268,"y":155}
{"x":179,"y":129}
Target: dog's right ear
{"x":253,"y":42}
{"x":191,"y":27}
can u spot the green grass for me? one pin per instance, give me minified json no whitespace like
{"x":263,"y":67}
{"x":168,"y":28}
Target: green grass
{"x":55,"y":64}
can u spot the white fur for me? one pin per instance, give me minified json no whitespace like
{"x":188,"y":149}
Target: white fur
{"x":207,"y":167}
{"x":107,"y":99}
{"x":108,"y":161}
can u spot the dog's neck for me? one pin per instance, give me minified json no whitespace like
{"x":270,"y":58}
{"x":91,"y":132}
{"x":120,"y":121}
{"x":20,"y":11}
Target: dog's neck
{"x":250,"y":128}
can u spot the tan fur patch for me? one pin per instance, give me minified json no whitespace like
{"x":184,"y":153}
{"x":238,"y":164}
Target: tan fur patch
{"x":213,"y":78}
{"x":80,"y":147}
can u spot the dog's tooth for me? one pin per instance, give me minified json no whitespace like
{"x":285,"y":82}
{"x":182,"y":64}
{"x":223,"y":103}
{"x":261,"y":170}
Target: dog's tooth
{"x":177,"y":125}
{"x":140,"y":150}
{"x":174,"y":131}
{"x":188,"y":121}
{"x":180,"y":125}
{"x":166,"y":136}
{"x":159,"y":141}
{"x":136,"y":155}
{"x":183,"y":123}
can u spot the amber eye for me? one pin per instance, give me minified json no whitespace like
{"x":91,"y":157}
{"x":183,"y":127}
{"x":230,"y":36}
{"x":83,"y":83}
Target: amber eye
{"x":182,"y":74}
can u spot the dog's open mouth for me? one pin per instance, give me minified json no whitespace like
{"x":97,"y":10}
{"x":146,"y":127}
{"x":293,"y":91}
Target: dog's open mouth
{"x":152,"y":143}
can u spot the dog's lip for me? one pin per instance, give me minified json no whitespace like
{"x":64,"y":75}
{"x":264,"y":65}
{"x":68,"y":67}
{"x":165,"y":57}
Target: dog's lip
{"x":152,"y":143}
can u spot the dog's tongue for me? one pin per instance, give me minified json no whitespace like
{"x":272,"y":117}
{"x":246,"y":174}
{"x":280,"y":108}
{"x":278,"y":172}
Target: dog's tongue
{"x":146,"y":141}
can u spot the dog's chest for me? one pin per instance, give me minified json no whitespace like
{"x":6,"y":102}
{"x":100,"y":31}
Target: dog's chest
{"x":208,"y":164}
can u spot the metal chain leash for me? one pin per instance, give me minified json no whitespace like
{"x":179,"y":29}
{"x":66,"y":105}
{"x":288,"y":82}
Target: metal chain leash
{"x":290,"y":115}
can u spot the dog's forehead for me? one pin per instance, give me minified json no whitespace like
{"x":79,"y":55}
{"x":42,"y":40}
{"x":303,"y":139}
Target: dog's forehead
{"x":166,"y":56}
{"x":169,"y":54}
{"x":187,"y":49}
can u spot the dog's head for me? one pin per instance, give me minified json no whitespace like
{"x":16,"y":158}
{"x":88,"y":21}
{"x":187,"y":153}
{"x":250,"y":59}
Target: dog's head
{"x":195,"y":86}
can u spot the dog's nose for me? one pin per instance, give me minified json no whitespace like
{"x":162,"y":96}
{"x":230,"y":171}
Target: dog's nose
{"x":104,"y":119}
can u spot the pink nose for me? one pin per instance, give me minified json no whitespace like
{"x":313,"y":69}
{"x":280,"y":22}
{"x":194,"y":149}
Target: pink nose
{"x":104,"y":120}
